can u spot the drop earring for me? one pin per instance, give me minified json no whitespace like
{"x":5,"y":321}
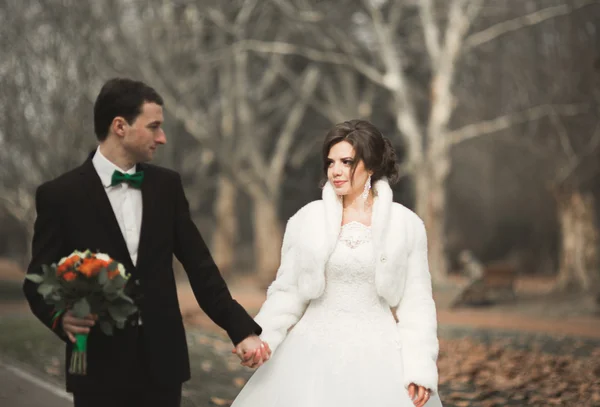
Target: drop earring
{"x":365,"y":193}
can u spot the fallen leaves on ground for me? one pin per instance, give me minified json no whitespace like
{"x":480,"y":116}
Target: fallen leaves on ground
{"x":207,"y":366}
{"x":239,"y":382}
{"x":477,"y":369}
{"x":217,"y":401}
{"x":493,"y":374}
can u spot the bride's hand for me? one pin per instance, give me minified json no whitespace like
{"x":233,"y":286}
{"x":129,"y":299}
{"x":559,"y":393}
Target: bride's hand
{"x":418,"y":394}
{"x":257,"y":358}
{"x":253,"y":354}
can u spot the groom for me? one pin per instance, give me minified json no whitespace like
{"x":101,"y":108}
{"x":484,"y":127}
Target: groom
{"x":138,"y":214}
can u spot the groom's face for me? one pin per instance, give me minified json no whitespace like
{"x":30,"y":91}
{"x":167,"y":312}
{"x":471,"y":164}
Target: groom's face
{"x":145,"y":133}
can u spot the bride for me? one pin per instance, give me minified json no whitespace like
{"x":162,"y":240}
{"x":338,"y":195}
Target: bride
{"x":346,"y":260}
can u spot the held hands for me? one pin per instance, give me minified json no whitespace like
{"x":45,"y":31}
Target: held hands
{"x":252,"y":352}
{"x":418,"y":394}
{"x":73,"y":325}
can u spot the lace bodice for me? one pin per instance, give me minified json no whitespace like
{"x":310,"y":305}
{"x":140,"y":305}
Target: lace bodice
{"x":353,"y":234}
{"x":350,"y":271}
{"x":350,"y":300}
{"x":352,"y":261}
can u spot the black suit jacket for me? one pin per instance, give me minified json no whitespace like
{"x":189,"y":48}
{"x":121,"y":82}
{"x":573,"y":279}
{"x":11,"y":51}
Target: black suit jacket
{"x":74,"y":213}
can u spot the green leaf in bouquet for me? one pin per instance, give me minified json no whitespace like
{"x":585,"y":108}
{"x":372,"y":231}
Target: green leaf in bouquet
{"x":112,"y":286}
{"x":48,"y":270}
{"x":130,"y":309}
{"x":61,"y":303}
{"x":120,"y":312}
{"x":81,"y":287}
{"x":36,"y":278}
{"x":119,"y":281}
{"x":116,"y":314}
{"x":81,"y":308}
{"x":106,"y":327}
{"x":84,"y":284}
{"x":103,"y":277}
{"x":125,"y":302}
{"x":125,"y":297}
{"x":45,"y":289}
{"x":50,"y":274}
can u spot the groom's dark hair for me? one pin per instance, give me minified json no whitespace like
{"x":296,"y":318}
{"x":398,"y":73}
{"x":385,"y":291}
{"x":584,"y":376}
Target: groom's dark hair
{"x":121,"y":97}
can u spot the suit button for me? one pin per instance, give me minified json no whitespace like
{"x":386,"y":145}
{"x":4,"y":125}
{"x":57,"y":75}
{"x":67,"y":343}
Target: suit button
{"x":137,"y":282}
{"x":383,"y":259}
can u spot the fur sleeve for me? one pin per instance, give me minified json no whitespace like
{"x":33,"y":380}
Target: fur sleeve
{"x":284,"y":306}
{"x":417,"y":320}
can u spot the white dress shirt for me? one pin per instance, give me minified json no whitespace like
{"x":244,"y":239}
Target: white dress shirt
{"x":126,"y":202}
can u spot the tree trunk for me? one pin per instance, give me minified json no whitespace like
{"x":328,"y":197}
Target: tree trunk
{"x":430,"y":205}
{"x":579,"y":243}
{"x":268,"y":237}
{"x":28,"y":241}
{"x":226,"y":228}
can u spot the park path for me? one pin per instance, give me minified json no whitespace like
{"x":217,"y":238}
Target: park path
{"x":498,"y":319}
{"x":22,"y":388}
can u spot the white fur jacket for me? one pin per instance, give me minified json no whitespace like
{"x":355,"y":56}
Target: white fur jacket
{"x":402,"y":276}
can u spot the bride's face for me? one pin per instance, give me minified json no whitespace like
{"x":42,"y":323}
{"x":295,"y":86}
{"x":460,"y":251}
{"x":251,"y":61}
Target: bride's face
{"x":339,"y":170}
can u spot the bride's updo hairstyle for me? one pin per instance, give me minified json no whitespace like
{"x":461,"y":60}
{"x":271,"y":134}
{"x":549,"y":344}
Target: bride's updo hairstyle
{"x":369,"y":145}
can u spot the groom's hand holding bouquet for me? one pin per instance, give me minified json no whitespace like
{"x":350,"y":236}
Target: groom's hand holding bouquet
{"x":85,"y":289}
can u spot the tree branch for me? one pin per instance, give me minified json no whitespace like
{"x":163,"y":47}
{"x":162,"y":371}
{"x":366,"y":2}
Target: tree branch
{"x":299,"y":15}
{"x":562,"y":135}
{"x":576,"y":161}
{"x":461,"y":15}
{"x":219,"y":19}
{"x":503,"y":122}
{"x":21,"y":206}
{"x":430,"y":29}
{"x":515,"y":24}
{"x":292,"y":123}
{"x":330,"y":111}
{"x":284,"y":48}
{"x":395,"y":15}
{"x":394,"y":76}
{"x":244,"y":15}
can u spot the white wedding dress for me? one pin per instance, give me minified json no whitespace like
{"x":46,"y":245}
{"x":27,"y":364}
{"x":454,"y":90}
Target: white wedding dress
{"x":345,"y":350}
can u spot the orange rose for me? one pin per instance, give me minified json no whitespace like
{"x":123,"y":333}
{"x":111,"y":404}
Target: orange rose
{"x":69,"y":263}
{"x":69,"y":276}
{"x":91,"y":266}
{"x":60,"y":270}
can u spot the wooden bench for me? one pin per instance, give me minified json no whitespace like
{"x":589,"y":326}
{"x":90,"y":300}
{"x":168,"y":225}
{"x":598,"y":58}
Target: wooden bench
{"x":488,"y":284}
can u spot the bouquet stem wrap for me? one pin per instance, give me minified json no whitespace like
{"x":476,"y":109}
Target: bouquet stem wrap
{"x":78,"y":364}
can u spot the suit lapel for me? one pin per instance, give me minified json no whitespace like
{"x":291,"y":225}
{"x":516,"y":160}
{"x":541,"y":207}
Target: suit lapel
{"x":149,"y":197}
{"x":95,"y":191}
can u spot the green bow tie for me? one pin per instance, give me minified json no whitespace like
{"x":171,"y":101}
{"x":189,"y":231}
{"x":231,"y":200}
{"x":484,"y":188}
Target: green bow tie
{"x":135,"y":180}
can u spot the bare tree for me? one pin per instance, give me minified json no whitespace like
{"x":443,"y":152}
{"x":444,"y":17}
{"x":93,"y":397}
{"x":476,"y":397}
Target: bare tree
{"x":378,"y":40}
{"x":42,"y":106}
{"x":233,"y":104}
{"x":557,"y":140}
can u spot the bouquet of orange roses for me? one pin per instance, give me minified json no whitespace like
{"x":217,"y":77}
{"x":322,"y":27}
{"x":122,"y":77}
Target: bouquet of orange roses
{"x":86,"y":283}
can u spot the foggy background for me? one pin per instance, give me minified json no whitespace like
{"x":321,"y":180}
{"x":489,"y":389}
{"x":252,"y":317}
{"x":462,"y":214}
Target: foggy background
{"x":491,"y":105}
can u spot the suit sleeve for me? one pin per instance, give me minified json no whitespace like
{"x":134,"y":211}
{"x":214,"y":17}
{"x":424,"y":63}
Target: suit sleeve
{"x":417,"y":320}
{"x":206,"y":281}
{"x":47,"y":248}
{"x":284,"y":305}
